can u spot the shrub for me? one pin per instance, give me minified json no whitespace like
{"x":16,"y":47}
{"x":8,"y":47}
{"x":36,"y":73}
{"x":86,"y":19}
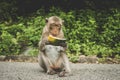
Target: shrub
{"x":87,"y":31}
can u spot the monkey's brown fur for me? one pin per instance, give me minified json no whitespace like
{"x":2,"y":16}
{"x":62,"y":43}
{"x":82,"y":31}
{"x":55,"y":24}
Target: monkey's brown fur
{"x":53,"y":27}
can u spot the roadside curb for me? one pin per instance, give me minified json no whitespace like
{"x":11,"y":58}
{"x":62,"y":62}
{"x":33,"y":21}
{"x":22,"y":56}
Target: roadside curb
{"x":82,"y":59}
{"x":19,"y":58}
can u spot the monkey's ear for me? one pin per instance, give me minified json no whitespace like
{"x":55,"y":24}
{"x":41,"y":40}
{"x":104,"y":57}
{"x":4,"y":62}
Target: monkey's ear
{"x":46,"y":20}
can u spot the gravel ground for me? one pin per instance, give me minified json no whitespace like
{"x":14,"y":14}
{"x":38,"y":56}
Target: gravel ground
{"x":32,"y":71}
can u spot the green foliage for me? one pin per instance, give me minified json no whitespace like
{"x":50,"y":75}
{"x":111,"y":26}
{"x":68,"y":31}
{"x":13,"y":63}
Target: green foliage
{"x":17,"y":37}
{"x":87,"y":31}
{"x":8,"y":43}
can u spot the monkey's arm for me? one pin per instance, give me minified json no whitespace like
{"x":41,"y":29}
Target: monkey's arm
{"x":43,"y":42}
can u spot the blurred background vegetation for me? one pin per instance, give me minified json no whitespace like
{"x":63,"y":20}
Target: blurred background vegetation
{"x":92,"y":27}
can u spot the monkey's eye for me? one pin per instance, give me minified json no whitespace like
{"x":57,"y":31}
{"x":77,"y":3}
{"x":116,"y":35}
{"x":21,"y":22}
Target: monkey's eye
{"x":59,"y":25}
{"x":51,"y":28}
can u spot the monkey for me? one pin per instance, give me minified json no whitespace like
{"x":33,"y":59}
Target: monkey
{"x":60,"y":65}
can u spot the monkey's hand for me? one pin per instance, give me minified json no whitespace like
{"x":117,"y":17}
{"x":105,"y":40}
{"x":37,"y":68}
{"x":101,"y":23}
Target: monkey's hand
{"x":64,"y":46}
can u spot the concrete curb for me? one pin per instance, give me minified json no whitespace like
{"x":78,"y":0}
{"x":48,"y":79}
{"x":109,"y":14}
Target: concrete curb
{"x":19,"y":58}
{"x":82,"y":59}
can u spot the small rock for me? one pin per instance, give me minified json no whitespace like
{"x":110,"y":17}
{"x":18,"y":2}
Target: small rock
{"x":88,"y":59}
{"x":82,"y":59}
{"x":2,"y":58}
{"x":92,"y":59}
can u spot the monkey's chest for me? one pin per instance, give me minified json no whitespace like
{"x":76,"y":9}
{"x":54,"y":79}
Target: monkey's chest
{"x":53,"y":52}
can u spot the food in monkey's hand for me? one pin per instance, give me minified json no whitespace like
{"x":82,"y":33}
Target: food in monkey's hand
{"x":57,"y":41}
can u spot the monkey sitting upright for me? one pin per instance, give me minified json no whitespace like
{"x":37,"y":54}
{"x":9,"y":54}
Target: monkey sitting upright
{"x":53,"y":27}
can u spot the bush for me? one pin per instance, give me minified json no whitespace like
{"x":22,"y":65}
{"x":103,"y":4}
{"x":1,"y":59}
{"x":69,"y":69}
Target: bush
{"x":87,"y":31}
{"x":17,"y":37}
{"x":8,"y":44}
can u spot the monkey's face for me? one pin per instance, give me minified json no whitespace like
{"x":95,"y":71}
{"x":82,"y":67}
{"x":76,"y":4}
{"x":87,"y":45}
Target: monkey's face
{"x":55,"y":29}
{"x":54,"y":25}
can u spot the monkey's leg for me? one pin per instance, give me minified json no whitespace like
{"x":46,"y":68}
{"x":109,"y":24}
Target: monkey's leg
{"x":45,"y":63}
{"x":66,"y":67}
{"x":41,"y":62}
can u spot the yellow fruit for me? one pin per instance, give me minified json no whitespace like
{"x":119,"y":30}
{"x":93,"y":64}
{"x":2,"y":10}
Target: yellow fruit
{"x":51,"y":39}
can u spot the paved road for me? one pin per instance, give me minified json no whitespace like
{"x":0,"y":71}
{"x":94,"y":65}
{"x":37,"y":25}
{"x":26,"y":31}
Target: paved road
{"x":32,"y":71}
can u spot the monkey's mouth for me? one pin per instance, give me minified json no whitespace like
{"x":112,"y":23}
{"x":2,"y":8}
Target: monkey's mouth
{"x":55,"y":35}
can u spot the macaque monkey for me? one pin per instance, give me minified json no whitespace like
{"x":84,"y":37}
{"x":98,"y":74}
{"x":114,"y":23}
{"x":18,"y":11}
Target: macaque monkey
{"x":52,"y":58}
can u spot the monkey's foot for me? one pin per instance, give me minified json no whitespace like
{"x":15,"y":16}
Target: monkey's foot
{"x":51,"y":72}
{"x":62,"y":74}
{"x":56,"y":69}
